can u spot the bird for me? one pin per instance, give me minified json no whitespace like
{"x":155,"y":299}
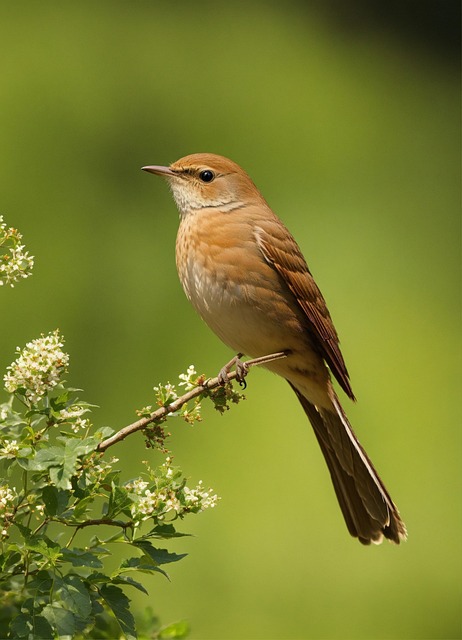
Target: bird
{"x":246,"y":276}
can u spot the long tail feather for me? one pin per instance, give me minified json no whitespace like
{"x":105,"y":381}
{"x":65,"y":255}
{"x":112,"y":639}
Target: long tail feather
{"x":367,"y":507}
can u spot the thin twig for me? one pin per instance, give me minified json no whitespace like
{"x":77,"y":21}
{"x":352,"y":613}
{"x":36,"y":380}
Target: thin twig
{"x":96,"y":522}
{"x":164,"y":411}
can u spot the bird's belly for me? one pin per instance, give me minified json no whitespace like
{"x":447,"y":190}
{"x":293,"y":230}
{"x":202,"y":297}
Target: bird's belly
{"x":248,"y":306}
{"x":245,"y":315}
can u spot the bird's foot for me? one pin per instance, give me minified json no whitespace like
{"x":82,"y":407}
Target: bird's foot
{"x":241,"y":371}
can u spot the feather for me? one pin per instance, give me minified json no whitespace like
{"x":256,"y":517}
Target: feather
{"x":283,"y":253}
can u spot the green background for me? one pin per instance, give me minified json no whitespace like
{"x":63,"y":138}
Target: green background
{"x":348,"y":121}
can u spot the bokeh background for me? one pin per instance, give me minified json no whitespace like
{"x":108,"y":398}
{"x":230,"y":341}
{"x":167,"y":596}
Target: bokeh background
{"x":346,"y":115}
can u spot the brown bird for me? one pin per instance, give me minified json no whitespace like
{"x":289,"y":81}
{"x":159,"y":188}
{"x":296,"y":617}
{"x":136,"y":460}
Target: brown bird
{"x":246,"y":276}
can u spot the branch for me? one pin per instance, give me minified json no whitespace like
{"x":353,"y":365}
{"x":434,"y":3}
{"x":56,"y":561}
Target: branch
{"x":95,"y":522}
{"x":164,"y":411}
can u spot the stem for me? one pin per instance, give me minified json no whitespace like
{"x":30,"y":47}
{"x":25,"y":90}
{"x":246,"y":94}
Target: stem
{"x":164,"y":411}
{"x":71,"y":539}
{"x":95,"y":522}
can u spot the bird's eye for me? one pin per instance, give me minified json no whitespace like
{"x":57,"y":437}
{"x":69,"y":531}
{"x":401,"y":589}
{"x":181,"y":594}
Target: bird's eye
{"x":206,"y":175}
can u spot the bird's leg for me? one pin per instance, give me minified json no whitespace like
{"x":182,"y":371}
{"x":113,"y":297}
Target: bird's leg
{"x":241,"y":370}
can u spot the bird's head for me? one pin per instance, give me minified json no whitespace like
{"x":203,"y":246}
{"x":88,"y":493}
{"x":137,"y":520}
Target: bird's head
{"x":205,"y":180}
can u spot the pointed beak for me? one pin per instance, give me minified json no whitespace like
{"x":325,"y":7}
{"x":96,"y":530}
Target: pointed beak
{"x":159,"y":171}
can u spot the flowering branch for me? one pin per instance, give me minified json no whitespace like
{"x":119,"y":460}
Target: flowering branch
{"x":52,"y":476}
{"x":200,"y":390}
{"x":54,"y":484}
{"x":16,"y":263}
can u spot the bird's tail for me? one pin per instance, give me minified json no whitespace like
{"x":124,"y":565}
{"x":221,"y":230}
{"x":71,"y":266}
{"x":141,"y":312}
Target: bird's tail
{"x":369,"y":512}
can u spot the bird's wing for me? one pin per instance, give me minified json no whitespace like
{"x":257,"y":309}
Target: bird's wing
{"x":282,"y":252}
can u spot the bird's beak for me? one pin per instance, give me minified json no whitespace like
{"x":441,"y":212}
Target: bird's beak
{"x":160,"y":171}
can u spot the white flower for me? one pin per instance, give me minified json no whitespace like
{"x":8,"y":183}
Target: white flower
{"x":198,"y":497}
{"x":73,"y":415}
{"x":8,"y":497}
{"x":38,"y":368}
{"x":16,"y":263}
{"x":10,"y":450}
{"x":81,"y":424}
{"x":188,"y":378}
{"x":98,"y":470}
{"x":146,"y":504}
{"x":137,"y":486}
{"x":73,"y":411}
{"x":165,"y":392}
{"x":157,"y":503}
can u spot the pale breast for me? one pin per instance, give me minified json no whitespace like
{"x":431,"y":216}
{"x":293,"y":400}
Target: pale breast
{"x":238,"y":294}
{"x":244,"y":300}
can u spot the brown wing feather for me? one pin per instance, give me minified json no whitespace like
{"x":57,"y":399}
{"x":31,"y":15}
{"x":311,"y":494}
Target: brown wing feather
{"x":283,"y":253}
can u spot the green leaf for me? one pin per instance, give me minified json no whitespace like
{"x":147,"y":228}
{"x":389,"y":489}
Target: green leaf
{"x":97,"y":576}
{"x":43,"y":459}
{"x":128,"y":580}
{"x":60,"y":620}
{"x":60,"y":461}
{"x":82,"y":558}
{"x":60,"y":401}
{"x":78,"y":446}
{"x":119,"y":604}
{"x":165,"y":531}
{"x":119,"y":501}
{"x":40,"y":544}
{"x":74,"y":594}
{"x":25,"y":531}
{"x":104,"y":432}
{"x":21,"y":626}
{"x":41,"y":583}
{"x":144,"y":564}
{"x":30,"y":626}
{"x":60,"y":476}
{"x":159,"y":556}
{"x":55,"y":500}
{"x":81,"y":507}
{"x":177,"y":630}
{"x":73,"y":449}
{"x":9,"y":559}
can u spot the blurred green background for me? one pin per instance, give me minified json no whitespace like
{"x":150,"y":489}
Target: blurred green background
{"x":346,"y":115}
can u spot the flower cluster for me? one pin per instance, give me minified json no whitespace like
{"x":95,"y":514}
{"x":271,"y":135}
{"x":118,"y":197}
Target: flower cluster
{"x":168,"y":496}
{"x":16,"y":263}
{"x":49,"y":446}
{"x":38,"y":368}
{"x":200,"y":498}
{"x":167,"y":393}
{"x":8,"y":498}
{"x":10,"y":449}
{"x":98,"y":470}
{"x":73,"y":415}
{"x":188,"y":379}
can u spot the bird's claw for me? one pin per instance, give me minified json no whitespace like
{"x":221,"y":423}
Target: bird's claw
{"x":223,"y":376}
{"x":241,"y":371}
